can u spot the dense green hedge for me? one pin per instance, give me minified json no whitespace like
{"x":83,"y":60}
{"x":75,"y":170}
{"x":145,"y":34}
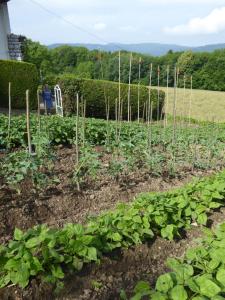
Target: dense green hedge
{"x":23,"y":76}
{"x":96,"y":91}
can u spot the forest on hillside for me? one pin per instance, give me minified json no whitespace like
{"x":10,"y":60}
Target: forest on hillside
{"x":207,"y":69}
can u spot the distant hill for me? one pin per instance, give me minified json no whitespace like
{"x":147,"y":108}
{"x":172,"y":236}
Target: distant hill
{"x":155,"y":49}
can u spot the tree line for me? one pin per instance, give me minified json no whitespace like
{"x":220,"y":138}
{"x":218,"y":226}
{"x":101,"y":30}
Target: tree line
{"x":207,"y":69}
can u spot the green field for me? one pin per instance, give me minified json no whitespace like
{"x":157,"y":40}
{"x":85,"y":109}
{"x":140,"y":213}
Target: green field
{"x":206,"y":105}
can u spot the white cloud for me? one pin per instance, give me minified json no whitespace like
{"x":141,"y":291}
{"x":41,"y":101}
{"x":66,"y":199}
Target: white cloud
{"x":211,"y":24}
{"x":128,"y":28}
{"x":99,"y":26}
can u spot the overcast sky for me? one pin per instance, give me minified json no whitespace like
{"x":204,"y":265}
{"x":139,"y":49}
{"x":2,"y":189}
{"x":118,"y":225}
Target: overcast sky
{"x":186,"y":22}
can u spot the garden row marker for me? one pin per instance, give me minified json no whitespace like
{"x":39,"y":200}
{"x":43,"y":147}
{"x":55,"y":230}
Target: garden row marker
{"x":104,"y":87}
{"x":150,"y":109}
{"x":174,"y":105}
{"x":38,"y":111}
{"x":139,"y":82}
{"x":167,"y":95}
{"x":58,"y":101}
{"x":77,"y":149}
{"x":190,"y":101}
{"x":10,"y":111}
{"x":119,"y":99}
{"x":158,"y":77}
{"x":128,"y":97}
{"x":28,"y":121}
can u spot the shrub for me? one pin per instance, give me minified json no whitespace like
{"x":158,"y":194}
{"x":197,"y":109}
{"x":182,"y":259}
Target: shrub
{"x":95,"y":92}
{"x":23,"y":76}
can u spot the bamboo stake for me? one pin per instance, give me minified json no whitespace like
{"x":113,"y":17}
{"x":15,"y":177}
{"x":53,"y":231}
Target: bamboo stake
{"x":174,"y":105}
{"x":119,"y":98}
{"x":104,"y":87}
{"x":184,"y":100}
{"x":158,"y":74}
{"x":38,"y":111}
{"x":77,"y":119}
{"x":129,"y":86}
{"x":83,"y":118}
{"x":143,"y":113}
{"x":77,"y":140}
{"x":139,"y":82}
{"x":10,"y":111}
{"x":167,"y":96}
{"x":150,"y":110}
{"x":190,"y":101}
{"x":116,"y":118}
{"x":28,"y":122}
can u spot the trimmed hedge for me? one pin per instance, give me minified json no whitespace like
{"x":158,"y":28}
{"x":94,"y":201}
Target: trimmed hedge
{"x":23,"y":76}
{"x":95,"y":92}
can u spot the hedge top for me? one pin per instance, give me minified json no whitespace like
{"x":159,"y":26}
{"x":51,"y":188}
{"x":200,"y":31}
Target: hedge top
{"x":23,"y":76}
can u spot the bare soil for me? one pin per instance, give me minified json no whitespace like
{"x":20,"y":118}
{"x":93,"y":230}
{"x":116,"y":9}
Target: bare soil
{"x":61,"y":203}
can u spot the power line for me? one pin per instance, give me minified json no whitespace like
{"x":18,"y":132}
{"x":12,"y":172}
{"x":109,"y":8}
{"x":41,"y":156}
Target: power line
{"x":77,"y":27}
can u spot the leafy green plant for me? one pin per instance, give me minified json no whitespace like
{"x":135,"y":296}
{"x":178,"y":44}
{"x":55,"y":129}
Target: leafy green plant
{"x":199,"y":275}
{"x":49,"y":253}
{"x":88,"y":166}
{"x":19,"y":166}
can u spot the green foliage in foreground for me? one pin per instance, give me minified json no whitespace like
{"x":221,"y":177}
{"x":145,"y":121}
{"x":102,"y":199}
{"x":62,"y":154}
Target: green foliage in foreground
{"x":50,"y":253}
{"x":23,"y":76}
{"x":200,"y":275}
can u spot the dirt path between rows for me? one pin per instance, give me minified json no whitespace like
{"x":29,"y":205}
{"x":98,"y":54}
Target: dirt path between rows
{"x":61,"y":204}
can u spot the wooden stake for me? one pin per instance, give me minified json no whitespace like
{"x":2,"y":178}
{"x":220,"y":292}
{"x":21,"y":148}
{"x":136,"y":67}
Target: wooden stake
{"x":28,"y":122}
{"x":150,"y":110}
{"x":104,"y":87}
{"x":139,"y":82}
{"x":167,"y":95}
{"x":38,"y":111}
{"x":77,"y":119}
{"x":190,"y":101}
{"x":10,"y":111}
{"x":158,"y":72}
{"x":119,"y":98}
{"x":184,"y":100}
{"x":129,"y":86}
{"x":174,"y":105}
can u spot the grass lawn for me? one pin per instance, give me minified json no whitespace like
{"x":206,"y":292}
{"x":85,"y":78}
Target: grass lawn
{"x":206,"y":105}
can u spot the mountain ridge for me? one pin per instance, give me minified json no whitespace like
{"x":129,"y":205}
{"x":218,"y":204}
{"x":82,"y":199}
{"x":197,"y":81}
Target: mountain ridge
{"x":154,"y":49}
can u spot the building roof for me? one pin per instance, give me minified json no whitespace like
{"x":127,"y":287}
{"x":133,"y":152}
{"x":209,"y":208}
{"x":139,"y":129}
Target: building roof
{"x":3,"y":1}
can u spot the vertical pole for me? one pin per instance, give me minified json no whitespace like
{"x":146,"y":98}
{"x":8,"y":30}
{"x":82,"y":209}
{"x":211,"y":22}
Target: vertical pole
{"x":190,"y":101}
{"x":119,"y":99}
{"x":158,"y":71}
{"x":184,"y":101}
{"x":139,"y":82}
{"x":149,"y":94}
{"x":150,"y":110}
{"x":10,"y":111}
{"x":77,"y":150}
{"x":167,"y":96}
{"x":28,"y":121}
{"x":128,"y":98}
{"x":174,"y":105}
{"x":38,"y":111}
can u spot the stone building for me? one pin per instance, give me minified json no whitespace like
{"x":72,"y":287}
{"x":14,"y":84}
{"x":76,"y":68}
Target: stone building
{"x":10,"y":44}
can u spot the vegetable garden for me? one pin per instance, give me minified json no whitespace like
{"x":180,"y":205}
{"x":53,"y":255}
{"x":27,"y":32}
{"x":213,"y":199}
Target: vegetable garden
{"x":107,"y":201}
{"x":79,"y":170}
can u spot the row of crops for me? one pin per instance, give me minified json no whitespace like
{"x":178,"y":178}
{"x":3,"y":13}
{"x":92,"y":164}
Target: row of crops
{"x":130,"y":147}
{"x":116,"y":149}
{"x":51,"y":253}
{"x":200,"y":275}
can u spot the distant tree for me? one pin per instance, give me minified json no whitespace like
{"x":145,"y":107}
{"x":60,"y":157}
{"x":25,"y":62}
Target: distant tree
{"x":35,"y":53}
